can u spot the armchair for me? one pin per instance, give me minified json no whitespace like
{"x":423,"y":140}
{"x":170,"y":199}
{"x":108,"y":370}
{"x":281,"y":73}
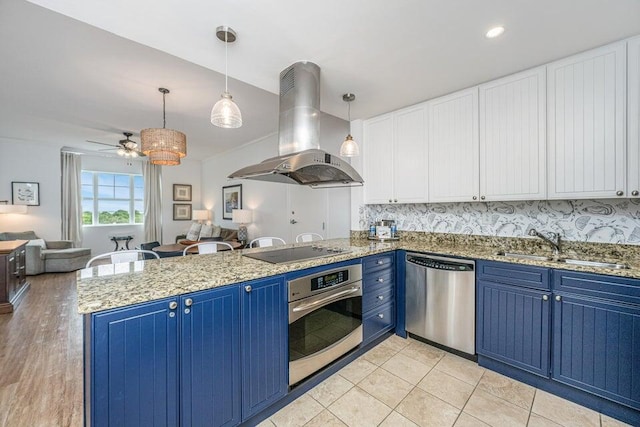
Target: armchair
{"x":50,"y":256}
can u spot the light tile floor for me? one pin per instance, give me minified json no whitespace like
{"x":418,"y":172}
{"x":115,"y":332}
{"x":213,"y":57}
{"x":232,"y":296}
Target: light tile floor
{"x":408,"y":383}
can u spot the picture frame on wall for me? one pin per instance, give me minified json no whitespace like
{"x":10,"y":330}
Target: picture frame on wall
{"x":25,"y":193}
{"x":181,"y":212}
{"x":231,"y":199}
{"x":181,"y":192}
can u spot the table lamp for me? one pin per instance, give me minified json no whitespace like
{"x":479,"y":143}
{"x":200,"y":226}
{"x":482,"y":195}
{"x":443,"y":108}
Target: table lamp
{"x":242,"y":217}
{"x":200,"y":215}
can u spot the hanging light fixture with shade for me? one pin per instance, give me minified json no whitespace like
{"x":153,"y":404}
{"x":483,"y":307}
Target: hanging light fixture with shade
{"x":349,"y":147}
{"x":225,"y":113}
{"x":163,"y":146}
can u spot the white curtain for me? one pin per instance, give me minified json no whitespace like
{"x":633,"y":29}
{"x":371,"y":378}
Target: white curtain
{"x":71,"y":198}
{"x":152,"y":202}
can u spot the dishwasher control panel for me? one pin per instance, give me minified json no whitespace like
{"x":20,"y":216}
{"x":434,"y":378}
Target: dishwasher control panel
{"x":437,"y":264}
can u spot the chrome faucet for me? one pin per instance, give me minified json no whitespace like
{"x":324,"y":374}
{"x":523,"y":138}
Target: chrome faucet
{"x":553,"y":240}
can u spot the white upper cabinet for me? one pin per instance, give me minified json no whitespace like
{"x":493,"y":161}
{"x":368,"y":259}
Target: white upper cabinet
{"x":378,"y":151}
{"x":395,"y":157}
{"x":633,"y":141}
{"x":453,"y":153}
{"x":586,"y":113}
{"x":513,"y":137}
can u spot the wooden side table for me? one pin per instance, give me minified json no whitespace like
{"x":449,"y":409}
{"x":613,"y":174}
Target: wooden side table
{"x":13,"y":268}
{"x":118,"y":239}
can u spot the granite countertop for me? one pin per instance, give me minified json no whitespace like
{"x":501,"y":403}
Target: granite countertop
{"x":117,"y":285}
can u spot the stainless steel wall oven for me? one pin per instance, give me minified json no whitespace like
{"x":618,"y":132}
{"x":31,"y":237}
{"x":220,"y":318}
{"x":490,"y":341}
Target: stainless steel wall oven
{"x":325,"y":319}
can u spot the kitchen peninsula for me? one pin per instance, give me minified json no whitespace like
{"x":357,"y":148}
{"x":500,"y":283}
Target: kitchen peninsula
{"x":205,"y":338}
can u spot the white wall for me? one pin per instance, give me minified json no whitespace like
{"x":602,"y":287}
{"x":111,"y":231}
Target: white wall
{"x":32,"y":162}
{"x":189,"y":172}
{"x":270,"y":201}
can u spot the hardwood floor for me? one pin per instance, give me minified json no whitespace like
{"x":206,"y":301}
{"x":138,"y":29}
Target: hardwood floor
{"x":41,"y":356}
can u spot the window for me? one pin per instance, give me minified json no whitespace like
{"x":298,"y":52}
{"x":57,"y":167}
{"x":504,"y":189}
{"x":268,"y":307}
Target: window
{"x":112,"y":198}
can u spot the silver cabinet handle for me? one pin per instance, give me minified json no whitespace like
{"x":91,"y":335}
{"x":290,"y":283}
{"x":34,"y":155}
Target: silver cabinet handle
{"x":188,"y":302}
{"x":381,"y":316}
{"x":323,"y":300}
{"x":619,"y":193}
{"x":248,"y":288}
{"x":558,"y":298}
{"x":634,"y":193}
{"x":173,"y":305}
{"x":482,"y":197}
{"x":380,"y":297}
{"x":545,"y":297}
{"x":379,"y":262}
{"x":475,"y":197}
{"x":380,"y":280}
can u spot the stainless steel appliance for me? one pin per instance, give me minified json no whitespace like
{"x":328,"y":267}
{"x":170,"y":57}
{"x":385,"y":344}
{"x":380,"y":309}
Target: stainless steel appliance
{"x":440,"y":300}
{"x":300,"y":159}
{"x":298,"y":253}
{"x":325,"y":319}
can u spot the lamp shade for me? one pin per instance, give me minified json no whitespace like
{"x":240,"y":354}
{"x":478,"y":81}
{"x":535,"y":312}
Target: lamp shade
{"x":200,"y":214}
{"x":225,"y":113}
{"x":13,"y":209}
{"x":242,"y":216}
{"x":349,"y":147}
{"x":163,"y":146}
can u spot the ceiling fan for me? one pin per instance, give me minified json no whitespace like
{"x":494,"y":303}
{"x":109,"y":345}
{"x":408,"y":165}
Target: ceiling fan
{"x":126,"y":147}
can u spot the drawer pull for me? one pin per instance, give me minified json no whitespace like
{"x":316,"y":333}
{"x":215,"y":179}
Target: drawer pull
{"x":380,"y":280}
{"x":381,"y":316}
{"x":558,"y":298}
{"x":380,"y":297}
{"x":188,"y":302}
{"x":545,"y":297}
{"x":173,"y":305}
{"x":379,"y":262}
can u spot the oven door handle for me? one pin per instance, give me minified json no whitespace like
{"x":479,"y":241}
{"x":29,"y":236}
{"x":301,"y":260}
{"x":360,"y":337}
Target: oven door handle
{"x":311,"y":305}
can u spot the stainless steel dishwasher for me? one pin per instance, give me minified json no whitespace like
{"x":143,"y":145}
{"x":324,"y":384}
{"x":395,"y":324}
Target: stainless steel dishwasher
{"x":440,"y":300}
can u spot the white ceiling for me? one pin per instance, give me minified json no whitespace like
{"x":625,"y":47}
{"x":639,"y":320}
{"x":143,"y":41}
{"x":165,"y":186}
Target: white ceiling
{"x":62,"y":78}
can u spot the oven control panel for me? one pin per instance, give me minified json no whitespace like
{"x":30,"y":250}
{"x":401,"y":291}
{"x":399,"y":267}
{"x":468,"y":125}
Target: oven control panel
{"x":329,"y":280}
{"x":322,"y":281}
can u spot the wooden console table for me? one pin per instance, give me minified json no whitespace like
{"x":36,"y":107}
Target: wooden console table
{"x":13,"y":280}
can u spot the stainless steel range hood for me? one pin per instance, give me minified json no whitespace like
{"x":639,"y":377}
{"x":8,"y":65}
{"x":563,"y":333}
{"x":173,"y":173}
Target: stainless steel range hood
{"x":301,"y":161}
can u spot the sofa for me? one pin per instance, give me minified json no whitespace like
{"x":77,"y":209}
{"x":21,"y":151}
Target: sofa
{"x":201,"y":233}
{"x":49,"y":256}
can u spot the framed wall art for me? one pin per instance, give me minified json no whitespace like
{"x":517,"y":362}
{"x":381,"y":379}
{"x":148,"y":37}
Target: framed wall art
{"x":181,"y":212}
{"x":231,"y":199}
{"x":25,"y":193}
{"x":181,"y":192}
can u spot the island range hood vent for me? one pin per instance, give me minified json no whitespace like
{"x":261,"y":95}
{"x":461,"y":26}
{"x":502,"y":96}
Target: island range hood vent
{"x":300,"y":159}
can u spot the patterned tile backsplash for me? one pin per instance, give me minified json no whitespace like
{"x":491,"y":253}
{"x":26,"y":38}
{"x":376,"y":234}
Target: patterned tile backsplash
{"x":599,"y":221}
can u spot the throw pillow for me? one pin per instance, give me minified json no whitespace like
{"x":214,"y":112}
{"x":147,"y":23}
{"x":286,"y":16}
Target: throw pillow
{"x":216,"y":231}
{"x":205,"y":231}
{"x":37,"y":242}
{"x":194,"y":231}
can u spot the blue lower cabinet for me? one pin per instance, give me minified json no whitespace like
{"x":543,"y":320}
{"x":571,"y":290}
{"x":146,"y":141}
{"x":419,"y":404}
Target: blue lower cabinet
{"x":264,"y":344}
{"x":378,"y":321}
{"x":210,"y":358}
{"x":597,"y":347}
{"x":513,"y":325}
{"x":133,"y":368}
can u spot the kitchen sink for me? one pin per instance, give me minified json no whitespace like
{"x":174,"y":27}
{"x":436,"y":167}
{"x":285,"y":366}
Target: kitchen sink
{"x":594,"y":264}
{"x":570,"y":261}
{"x":524,"y":256}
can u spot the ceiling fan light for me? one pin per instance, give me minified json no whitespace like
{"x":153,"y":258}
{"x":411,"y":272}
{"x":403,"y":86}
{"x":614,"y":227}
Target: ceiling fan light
{"x":225,"y":113}
{"x":349,"y":147}
{"x":121,"y":152}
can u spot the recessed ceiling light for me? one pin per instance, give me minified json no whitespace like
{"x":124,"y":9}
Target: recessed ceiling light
{"x":494,"y":32}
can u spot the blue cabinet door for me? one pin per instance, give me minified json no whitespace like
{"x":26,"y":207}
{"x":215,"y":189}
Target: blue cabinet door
{"x":134,"y":370}
{"x":597,"y":347}
{"x":513,"y":326}
{"x":210,"y":358}
{"x":264,"y":344}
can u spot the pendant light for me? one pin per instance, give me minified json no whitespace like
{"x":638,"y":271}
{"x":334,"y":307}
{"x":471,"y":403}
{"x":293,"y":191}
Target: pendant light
{"x":164,"y":146}
{"x":349,"y":147}
{"x":225,"y":113}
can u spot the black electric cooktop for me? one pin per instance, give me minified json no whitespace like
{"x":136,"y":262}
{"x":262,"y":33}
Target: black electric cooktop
{"x":300,"y":253}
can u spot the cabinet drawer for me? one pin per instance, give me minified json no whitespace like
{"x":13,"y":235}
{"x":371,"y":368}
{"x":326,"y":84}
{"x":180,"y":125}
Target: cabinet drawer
{"x":597,"y":285}
{"x":378,"y":321}
{"x":377,"y":262}
{"x":379,"y":278}
{"x":377,"y":297}
{"x":513,"y":274}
